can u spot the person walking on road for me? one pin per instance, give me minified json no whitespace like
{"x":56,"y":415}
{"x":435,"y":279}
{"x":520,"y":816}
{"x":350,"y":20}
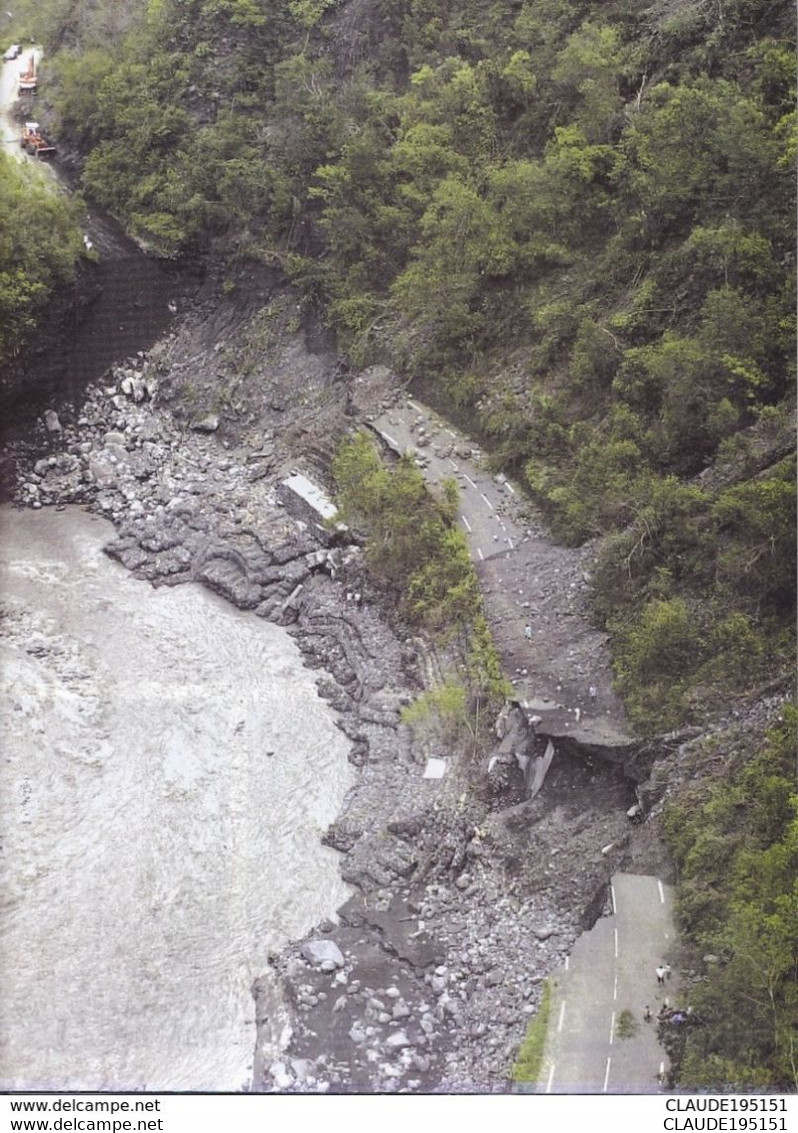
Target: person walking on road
{"x":660,"y":975}
{"x":647,"y":1014}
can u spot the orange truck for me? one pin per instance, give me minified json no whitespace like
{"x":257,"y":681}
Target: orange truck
{"x":33,"y":141}
{"x":27,"y":78}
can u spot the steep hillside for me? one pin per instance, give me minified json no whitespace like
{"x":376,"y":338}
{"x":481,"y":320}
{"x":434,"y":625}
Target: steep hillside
{"x":570,"y":224}
{"x":40,"y":245}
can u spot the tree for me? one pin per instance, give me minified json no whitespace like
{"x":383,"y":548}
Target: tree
{"x":757,"y":542}
{"x":463,"y":241}
{"x":32,"y":268}
{"x":738,"y":899}
{"x":697,"y":151}
{"x":588,"y":70}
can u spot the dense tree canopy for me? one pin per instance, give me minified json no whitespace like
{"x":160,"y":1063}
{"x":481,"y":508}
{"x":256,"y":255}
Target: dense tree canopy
{"x":736,"y":846}
{"x":39,"y":245}
{"x":572,"y":221}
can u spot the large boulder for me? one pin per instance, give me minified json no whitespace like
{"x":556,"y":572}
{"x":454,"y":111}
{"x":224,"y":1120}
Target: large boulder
{"x":320,"y":952}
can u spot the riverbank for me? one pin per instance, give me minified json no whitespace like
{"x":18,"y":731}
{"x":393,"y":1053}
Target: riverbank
{"x":168,"y":769}
{"x":617,"y":338}
{"x":466,"y":900}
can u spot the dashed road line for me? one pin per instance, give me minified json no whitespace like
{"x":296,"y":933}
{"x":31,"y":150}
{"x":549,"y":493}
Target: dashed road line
{"x":607,"y":1076}
{"x":509,"y":540}
{"x":567,"y":962}
{"x":487,"y":501}
{"x":454,"y":466}
{"x":467,"y":524}
{"x":616,"y":944}
{"x":615,"y":987}
{"x":413,"y":405}
{"x":550,"y":1078}
{"x":452,"y":433}
{"x":562,"y":1016}
{"x":481,"y":556}
{"x":509,"y":487}
{"x":468,"y":478}
{"x":389,"y":439}
{"x":612,"y":1028}
{"x":661,"y":893}
{"x":614,"y":906}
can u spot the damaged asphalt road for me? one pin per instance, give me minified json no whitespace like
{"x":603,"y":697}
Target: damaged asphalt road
{"x":466,"y":893}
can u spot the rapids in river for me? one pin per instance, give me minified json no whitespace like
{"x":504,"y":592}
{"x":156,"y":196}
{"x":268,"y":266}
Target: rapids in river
{"x":168,"y":769}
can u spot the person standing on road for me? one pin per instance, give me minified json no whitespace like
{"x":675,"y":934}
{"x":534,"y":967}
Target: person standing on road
{"x":660,"y":975}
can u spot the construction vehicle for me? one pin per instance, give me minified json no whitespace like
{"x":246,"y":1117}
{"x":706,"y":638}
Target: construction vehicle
{"x":27,"y":78}
{"x":33,"y":141}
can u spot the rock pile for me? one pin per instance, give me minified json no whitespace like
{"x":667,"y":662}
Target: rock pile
{"x":430,"y":978}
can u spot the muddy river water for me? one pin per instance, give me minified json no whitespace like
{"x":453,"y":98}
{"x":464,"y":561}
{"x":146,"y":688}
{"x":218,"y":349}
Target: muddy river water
{"x":167,"y":772}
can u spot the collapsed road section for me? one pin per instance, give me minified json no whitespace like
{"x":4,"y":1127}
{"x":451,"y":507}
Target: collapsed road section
{"x":535,"y":591}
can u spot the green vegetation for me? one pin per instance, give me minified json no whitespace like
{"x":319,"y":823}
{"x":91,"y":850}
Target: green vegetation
{"x":530,"y":1056}
{"x":444,"y":713}
{"x":416,"y":548}
{"x":626,"y":1026}
{"x":414,"y":543}
{"x":735,"y":842}
{"x":448,"y":702}
{"x":573,"y":221}
{"x":39,"y":246}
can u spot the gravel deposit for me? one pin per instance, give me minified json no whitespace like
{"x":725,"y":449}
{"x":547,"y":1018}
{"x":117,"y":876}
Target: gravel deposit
{"x":468,"y":894}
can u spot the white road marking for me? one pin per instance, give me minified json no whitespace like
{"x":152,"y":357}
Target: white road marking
{"x":616,"y":944}
{"x":487,"y":501}
{"x":607,"y":1075}
{"x":615,"y":987}
{"x":389,"y":439}
{"x":452,"y":433}
{"x":567,"y":962}
{"x":468,"y":478}
{"x":550,"y":1078}
{"x":413,"y":405}
{"x":614,"y":906}
{"x":509,"y":487}
{"x":509,"y":540}
{"x":454,"y":466}
{"x":661,"y":893}
{"x":612,"y":1028}
{"x":467,"y":524}
{"x":562,"y":1016}
{"x":479,"y":552}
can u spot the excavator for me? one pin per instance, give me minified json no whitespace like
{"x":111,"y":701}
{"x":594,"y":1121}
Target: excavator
{"x":27,"y":78}
{"x":33,"y":141}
